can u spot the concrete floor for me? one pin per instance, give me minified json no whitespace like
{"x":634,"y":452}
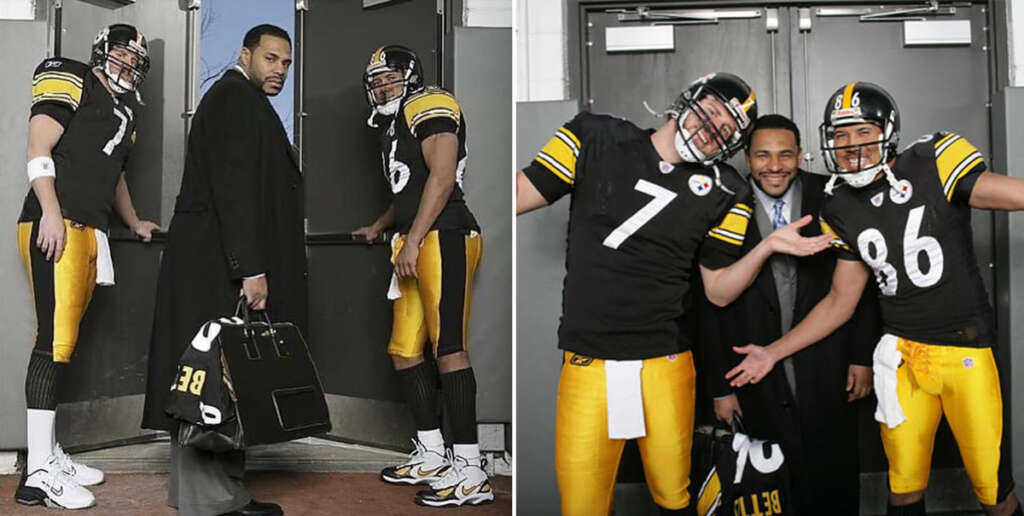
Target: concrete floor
{"x":308,"y":477}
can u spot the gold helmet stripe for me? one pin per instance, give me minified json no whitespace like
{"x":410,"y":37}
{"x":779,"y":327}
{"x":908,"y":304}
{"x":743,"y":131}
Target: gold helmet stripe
{"x":848,"y":94}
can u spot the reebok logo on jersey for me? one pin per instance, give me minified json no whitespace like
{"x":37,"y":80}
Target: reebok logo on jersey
{"x":665,"y":167}
{"x":700,"y":184}
{"x":902,"y":192}
{"x":876,"y":201}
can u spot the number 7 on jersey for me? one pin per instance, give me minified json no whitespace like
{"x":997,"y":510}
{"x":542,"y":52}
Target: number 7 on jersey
{"x":662,"y":197}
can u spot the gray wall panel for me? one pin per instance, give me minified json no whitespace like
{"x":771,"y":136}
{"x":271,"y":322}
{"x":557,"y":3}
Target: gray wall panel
{"x":16,"y":314}
{"x":540,"y":266}
{"x":483,"y":85}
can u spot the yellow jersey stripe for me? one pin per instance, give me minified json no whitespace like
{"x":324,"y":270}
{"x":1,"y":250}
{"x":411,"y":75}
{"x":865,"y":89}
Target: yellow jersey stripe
{"x":57,"y":89}
{"x":943,"y":140}
{"x":959,"y":175}
{"x":571,"y":136}
{"x":39,"y":77}
{"x":952,"y":155}
{"x":734,"y":224}
{"x":554,"y":167}
{"x":848,"y":94}
{"x":559,"y":151}
{"x":433,"y":102}
{"x":724,"y":238}
{"x":836,"y":241}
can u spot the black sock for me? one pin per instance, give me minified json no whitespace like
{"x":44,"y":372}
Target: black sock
{"x":914,"y":509}
{"x":459,"y":388}
{"x":420,"y":385}
{"x":41,"y":381}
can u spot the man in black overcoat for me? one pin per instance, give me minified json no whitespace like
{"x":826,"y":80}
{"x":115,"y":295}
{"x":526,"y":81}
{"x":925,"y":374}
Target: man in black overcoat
{"x":806,"y":404}
{"x":237,"y":228}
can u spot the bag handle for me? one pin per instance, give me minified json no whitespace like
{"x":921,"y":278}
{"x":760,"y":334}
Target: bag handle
{"x":737,"y":423}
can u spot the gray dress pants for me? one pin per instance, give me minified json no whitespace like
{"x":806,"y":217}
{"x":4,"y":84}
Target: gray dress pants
{"x":204,"y":483}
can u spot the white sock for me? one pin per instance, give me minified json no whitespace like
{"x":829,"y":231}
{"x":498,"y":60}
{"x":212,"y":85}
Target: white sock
{"x":470,"y":452}
{"x":40,"y":437}
{"x":432,"y":439}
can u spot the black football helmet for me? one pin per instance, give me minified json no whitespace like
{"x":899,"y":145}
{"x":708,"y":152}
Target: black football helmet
{"x":392,"y":58}
{"x":859,"y":103}
{"x":126,"y":37}
{"x":739,"y":100}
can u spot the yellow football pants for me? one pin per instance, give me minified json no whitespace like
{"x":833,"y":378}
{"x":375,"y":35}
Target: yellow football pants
{"x":586,"y":460}
{"x":61,"y":291}
{"x":437,"y":302}
{"x":963,"y":384}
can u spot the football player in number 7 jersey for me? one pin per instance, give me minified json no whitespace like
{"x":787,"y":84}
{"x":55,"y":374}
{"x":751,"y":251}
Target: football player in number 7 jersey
{"x":80,"y":133}
{"x":645,"y":205}
{"x":906,"y":218}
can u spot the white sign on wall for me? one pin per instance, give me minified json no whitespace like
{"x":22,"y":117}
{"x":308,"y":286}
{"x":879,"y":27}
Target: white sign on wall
{"x":17,"y":9}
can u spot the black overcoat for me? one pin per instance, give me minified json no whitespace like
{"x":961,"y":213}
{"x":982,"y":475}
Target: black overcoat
{"x":818,"y":429}
{"x":239,"y":214}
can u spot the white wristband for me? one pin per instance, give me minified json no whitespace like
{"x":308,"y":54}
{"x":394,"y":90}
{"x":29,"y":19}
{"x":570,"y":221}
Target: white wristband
{"x":41,"y":166}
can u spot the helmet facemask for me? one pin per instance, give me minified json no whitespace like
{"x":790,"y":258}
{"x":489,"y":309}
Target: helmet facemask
{"x":863,"y":172}
{"x":687,"y":140}
{"x":386,"y":106}
{"x":122,"y":76}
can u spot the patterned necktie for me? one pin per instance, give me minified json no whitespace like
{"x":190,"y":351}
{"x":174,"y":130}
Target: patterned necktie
{"x":778,"y":219}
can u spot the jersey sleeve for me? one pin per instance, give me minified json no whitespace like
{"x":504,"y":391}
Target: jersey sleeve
{"x":431,"y":112}
{"x":959,"y":163}
{"x":723,"y":243}
{"x":553,"y":171}
{"x":57,"y":87}
{"x":837,"y":242}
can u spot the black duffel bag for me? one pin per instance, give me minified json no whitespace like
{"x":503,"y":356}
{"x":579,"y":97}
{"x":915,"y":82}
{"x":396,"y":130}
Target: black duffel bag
{"x":268,"y":391}
{"x":733,"y":474}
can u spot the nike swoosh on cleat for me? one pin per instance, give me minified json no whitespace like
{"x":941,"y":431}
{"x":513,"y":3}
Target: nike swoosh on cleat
{"x":428,"y":472}
{"x":467,"y":492}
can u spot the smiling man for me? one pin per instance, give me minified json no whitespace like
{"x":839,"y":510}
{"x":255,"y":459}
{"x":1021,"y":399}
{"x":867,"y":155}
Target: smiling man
{"x":237,"y":226}
{"x":805,"y":406}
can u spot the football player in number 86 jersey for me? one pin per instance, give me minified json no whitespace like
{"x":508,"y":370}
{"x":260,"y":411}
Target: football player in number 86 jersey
{"x":905,"y":218}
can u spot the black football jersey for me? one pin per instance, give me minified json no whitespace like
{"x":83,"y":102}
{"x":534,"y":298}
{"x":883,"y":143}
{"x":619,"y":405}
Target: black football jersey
{"x":636,"y":226}
{"x":423,"y":114}
{"x":99,"y":133}
{"x":918,"y":241}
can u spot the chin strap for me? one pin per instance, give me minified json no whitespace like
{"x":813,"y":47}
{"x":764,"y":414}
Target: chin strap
{"x":889,"y":176}
{"x":718,"y":180}
{"x":831,"y":184}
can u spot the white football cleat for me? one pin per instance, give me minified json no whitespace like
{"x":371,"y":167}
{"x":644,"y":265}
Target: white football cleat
{"x":423,"y":467}
{"x":463,"y":483}
{"x":80,"y":473}
{"x":51,"y":486}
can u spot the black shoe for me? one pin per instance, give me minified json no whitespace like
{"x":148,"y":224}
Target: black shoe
{"x":257,"y":509}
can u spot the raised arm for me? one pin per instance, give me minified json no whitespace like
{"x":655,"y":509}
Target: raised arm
{"x":998,"y":192}
{"x":528,"y":198}
{"x":722,"y":286}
